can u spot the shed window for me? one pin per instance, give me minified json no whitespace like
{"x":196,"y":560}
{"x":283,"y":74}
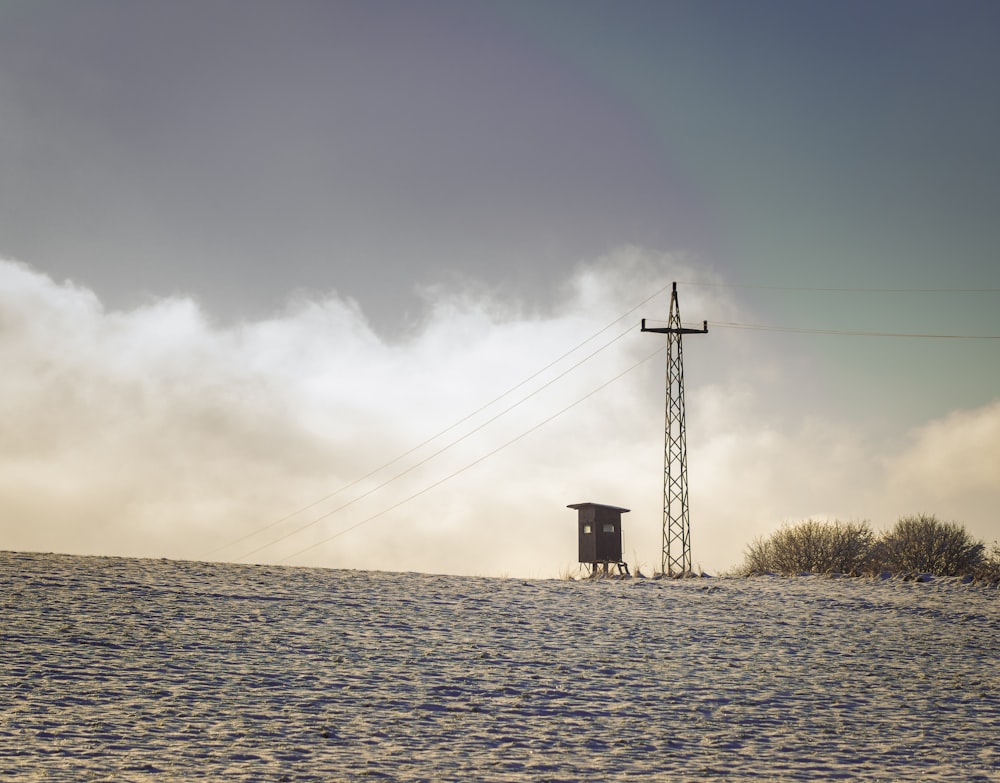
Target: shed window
{"x":609,"y":527}
{"x":586,"y":530}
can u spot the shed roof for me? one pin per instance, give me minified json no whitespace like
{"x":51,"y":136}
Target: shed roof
{"x":599,"y":505}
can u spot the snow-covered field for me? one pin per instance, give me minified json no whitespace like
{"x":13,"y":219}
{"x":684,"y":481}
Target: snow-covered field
{"x":152,"y":670}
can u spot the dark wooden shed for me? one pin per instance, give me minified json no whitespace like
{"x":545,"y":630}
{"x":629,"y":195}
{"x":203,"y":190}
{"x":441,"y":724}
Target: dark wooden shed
{"x":600,"y":534}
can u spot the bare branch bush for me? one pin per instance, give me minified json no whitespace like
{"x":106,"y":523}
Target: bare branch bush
{"x":757,"y":559}
{"x":916,"y":544}
{"x":811,"y":546}
{"x":989,"y":570}
{"x":925,"y":544}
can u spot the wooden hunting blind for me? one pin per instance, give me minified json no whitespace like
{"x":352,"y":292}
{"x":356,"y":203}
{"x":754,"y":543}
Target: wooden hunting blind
{"x":600,"y":535}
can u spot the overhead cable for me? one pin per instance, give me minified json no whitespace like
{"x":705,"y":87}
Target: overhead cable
{"x":446,"y":430}
{"x":852,"y":333}
{"x":441,"y":450}
{"x":829,"y":289}
{"x":475,"y":462}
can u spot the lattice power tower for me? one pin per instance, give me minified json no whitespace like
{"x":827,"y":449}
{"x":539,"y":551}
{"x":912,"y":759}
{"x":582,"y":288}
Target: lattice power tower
{"x":676,"y":557}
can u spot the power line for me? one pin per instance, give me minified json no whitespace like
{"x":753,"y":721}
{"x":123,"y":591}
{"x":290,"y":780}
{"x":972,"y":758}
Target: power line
{"x":475,"y":462}
{"x":827,"y":289}
{"x":443,"y":432}
{"x":852,"y":333}
{"x":725,"y":325}
{"x":439,"y":451}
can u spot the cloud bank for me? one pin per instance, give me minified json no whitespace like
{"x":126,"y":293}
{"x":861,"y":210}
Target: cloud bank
{"x":158,"y":432}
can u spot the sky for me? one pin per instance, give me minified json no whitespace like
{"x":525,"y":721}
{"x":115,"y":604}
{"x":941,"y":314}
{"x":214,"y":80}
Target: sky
{"x":358,"y":284}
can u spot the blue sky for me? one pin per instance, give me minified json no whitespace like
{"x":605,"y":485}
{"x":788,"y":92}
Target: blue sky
{"x":230,"y":169}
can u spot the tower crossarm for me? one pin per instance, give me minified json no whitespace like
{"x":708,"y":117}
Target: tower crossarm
{"x":674,"y":330}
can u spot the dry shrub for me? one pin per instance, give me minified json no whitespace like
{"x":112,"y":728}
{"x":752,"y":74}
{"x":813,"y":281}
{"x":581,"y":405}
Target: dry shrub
{"x":816,"y":547}
{"x":917,"y":544}
{"x":925,"y":544}
{"x":989,"y":569}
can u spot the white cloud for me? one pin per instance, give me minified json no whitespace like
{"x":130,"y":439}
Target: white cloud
{"x":756,"y":468}
{"x":951,"y":466}
{"x":156,"y":432}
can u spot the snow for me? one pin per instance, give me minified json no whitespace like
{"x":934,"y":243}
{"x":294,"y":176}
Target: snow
{"x":141,"y":670}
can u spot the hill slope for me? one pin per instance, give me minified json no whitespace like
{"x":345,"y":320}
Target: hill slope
{"x":121,"y":669}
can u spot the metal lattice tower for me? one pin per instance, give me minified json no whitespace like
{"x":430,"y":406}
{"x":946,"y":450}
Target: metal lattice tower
{"x":676,"y":557}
